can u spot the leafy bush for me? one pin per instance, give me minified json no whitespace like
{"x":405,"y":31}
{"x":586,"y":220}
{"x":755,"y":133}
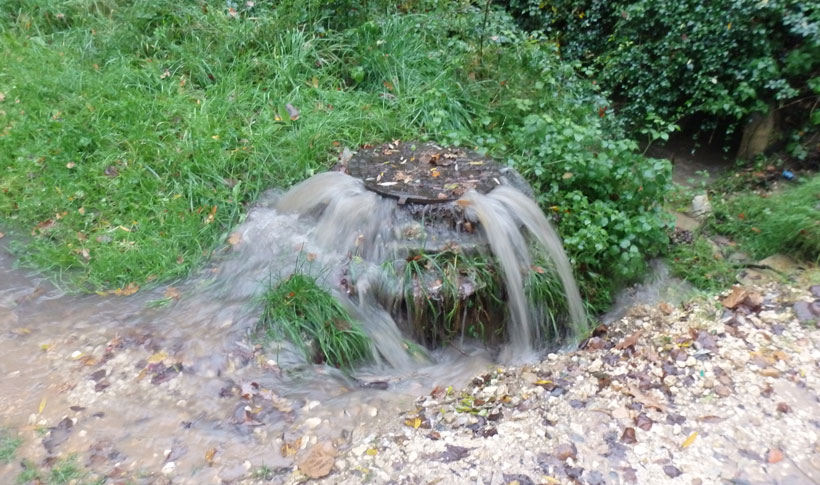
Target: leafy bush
{"x":669,"y":60}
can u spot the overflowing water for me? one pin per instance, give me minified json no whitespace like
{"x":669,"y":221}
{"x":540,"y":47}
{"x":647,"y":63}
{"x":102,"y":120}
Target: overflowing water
{"x":151,"y":373}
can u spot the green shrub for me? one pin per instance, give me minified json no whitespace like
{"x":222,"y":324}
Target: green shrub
{"x":298,"y":309}
{"x":669,"y":60}
{"x":8,"y":445}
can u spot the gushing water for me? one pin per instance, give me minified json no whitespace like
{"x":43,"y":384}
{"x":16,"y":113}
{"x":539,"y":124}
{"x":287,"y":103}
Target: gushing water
{"x":149,"y":368}
{"x":351,"y":221}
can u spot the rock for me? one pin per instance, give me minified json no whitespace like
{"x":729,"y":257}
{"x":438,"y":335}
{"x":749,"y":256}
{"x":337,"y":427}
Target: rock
{"x":706,"y":341}
{"x":815,"y":291}
{"x":774,"y":455}
{"x":686,"y":223}
{"x":783,"y":408}
{"x":628,"y":436}
{"x":770,"y":372}
{"x":804,"y":313}
{"x":780,"y":263}
{"x":723,"y":391}
{"x":644,"y":422}
{"x":168,"y":468}
{"x":672,"y":471}
{"x":701,"y":207}
{"x":313,"y":422}
{"x":566,"y":450}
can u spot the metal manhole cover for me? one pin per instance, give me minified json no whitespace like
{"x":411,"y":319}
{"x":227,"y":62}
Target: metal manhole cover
{"x":423,"y":173}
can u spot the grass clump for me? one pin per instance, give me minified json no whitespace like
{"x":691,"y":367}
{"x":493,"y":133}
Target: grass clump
{"x":298,"y":309}
{"x":787,"y":221}
{"x":63,"y":471}
{"x":8,"y":445}
{"x":700,"y":264}
{"x":450,"y":294}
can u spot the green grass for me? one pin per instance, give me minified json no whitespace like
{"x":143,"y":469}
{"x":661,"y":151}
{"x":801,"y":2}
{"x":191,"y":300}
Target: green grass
{"x":8,"y":445}
{"x":440,"y":311}
{"x":698,"y":264}
{"x":786,"y":221}
{"x":63,"y":471}
{"x":298,"y":309}
{"x":133,"y":134}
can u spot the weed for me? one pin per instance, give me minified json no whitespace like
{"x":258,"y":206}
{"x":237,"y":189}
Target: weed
{"x":63,"y":471}
{"x":298,"y":309}
{"x":763,"y":224}
{"x":8,"y":445}
{"x":699,"y":264}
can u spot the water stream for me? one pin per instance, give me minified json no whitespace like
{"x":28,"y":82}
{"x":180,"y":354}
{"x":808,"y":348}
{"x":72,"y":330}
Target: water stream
{"x":151,"y":381}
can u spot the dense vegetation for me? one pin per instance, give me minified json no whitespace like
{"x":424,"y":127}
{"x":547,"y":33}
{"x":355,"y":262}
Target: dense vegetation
{"x":664,"y":61}
{"x":135,"y":134}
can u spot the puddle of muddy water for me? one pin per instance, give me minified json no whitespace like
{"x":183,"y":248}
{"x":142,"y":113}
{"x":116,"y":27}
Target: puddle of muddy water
{"x":183,"y":388}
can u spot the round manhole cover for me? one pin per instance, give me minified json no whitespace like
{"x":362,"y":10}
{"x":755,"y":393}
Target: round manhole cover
{"x":423,"y":173}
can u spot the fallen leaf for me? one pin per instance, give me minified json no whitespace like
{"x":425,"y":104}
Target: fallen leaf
{"x":70,"y":165}
{"x":291,"y":448}
{"x":372,"y":452}
{"x":172,"y":293}
{"x":42,"y":406}
{"x":292,"y":112}
{"x":209,"y":456}
{"x":452,"y":453}
{"x":388,"y":85}
{"x":629,"y":341}
{"x":646,"y":399}
{"x":2,"y":235}
{"x":234,"y":239}
{"x":688,"y":441}
{"x":566,"y":175}
{"x":735,"y":298}
{"x":319,"y":460}
{"x":310,"y":257}
{"x":157,"y":357}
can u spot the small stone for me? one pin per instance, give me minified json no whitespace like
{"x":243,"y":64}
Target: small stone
{"x":644,"y":422}
{"x":670,"y":380}
{"x":783,"y":408}
{"x":628,"y":436}
{"x":770,"y":372}
{"x":815,"y":291}
{"x":774,"y":455}
{"x":672,"y":471}
{"x":723,"y":391}
{"x":566,"y":450}
{"x":708,"y":383}
{"x":802,"y":310}
{"x":691,"y":361}
{"x":168,"y":468}
{"x":697,"y":481}
{"x":313,"y":422}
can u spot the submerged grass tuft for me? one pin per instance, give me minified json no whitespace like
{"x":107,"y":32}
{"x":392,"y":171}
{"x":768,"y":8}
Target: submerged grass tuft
{"x":298,"y":309}
{"x":450,"y":294}
{"x":8,"y":445}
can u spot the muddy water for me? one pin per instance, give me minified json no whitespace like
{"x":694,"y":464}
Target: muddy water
{"x":152,"y":388}
{"x":170,"y":381}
